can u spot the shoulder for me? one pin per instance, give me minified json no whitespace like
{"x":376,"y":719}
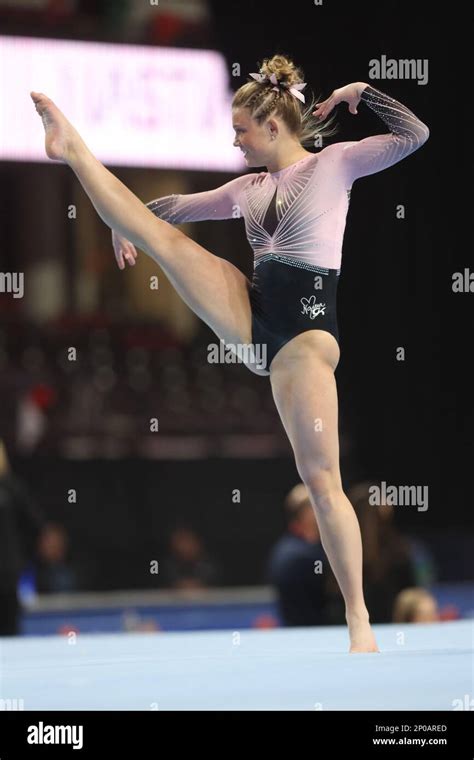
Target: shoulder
{"x":335,"y":151}
{"x":245,"y":182}
{"x":255,"y":179}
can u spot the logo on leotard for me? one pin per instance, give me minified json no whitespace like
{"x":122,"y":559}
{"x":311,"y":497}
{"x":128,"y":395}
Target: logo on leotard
{"x":312,"y":308}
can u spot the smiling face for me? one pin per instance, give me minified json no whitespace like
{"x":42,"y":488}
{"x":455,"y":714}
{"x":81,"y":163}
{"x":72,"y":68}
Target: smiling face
{"x":254,"y":141}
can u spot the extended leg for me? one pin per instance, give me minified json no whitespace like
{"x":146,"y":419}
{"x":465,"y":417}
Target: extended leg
{"x":213,"y":288}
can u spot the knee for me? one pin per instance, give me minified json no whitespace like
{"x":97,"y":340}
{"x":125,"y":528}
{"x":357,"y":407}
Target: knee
{"x":324,"y":485}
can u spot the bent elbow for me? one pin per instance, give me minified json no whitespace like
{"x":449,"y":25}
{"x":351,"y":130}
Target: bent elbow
{"x":424,"y":133}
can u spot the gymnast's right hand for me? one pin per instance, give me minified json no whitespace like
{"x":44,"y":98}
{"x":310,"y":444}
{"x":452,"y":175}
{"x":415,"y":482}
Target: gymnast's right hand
{"x":124,"y":250}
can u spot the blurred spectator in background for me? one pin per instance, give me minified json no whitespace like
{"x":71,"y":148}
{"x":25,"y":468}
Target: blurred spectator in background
{"x":297,"y":566}
{"x":54,"y":573}
{"x":390,"y":558}
{"x":415,"y":605}
{"x":187,"y":564}
{"x":21,"y":523}
{"x":33,"y":417}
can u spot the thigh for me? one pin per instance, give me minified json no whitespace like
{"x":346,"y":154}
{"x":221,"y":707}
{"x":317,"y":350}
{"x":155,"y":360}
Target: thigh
{"x":305,"y":392}
{"x":213,"y":288}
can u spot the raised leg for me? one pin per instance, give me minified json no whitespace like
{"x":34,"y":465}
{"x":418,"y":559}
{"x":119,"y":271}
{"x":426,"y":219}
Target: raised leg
{"x":212,"y":287}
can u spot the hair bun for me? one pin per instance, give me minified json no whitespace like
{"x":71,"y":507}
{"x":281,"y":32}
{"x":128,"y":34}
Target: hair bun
{"x":285,"y":71}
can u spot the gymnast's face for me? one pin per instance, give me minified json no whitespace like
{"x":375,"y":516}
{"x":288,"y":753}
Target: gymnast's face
{"x":257,"y":142}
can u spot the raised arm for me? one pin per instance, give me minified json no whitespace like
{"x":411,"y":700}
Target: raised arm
{"x":372,"y":154}
{"x":220,"y":203}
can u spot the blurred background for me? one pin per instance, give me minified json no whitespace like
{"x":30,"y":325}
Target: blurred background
{"x":108,"y":523}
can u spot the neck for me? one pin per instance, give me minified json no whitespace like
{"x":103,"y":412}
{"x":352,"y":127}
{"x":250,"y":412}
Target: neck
{"x":287,"y":158}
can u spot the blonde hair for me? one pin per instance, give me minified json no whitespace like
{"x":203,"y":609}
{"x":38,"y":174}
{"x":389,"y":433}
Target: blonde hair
{"x":297,"y":498}
{"x":262,"y":101}
{"x":406,"y":604}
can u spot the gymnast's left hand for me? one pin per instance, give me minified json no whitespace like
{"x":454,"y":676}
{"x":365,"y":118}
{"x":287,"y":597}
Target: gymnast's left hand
{"x":124,"y":250}
{"x":350,"y":94}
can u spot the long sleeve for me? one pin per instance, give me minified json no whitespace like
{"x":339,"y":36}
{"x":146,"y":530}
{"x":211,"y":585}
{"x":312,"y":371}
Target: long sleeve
{"x":220,"y":203}
{"x":372,"y":154}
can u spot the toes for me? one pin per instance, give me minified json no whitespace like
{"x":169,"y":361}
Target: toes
{"x":39,"y":98}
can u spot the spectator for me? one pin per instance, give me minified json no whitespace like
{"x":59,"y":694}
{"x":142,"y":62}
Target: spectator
{"x":187,"y":564}
{"x":21,"y":523}
{"x":295,"y":564}
{"x":415,"y":605}
{"x":53,"y":571}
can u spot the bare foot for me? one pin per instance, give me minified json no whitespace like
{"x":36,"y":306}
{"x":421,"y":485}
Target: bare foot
{"x":60,"y":134}
{"x":362,"y":636}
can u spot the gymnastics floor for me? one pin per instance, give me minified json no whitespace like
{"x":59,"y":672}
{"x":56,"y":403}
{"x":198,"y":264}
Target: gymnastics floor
{"x":420,"y":667}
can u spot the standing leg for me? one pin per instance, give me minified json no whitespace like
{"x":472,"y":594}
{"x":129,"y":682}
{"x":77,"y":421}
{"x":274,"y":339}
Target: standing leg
{"x":213,"y":288}
{"x":304,"y":389}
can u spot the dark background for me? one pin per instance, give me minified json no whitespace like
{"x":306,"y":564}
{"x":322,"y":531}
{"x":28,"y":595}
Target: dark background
{"x":405,"y":422}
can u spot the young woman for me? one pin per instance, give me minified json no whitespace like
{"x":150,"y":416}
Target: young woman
{"x":295,"y":217}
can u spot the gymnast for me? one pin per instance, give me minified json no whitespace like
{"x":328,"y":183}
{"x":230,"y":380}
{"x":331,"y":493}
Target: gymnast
{"x":295,"y":214}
